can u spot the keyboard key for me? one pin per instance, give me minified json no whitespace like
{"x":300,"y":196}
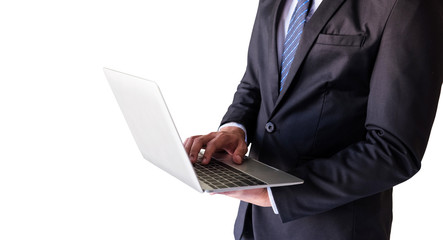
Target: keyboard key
{"x":219,"y":175}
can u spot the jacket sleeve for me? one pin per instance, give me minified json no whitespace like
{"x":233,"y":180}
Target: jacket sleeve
{"x":404,"y":92}
{"x":247,"y":99}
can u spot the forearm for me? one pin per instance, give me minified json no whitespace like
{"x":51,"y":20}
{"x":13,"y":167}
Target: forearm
{"x":361,"y":170}
{"x":245,"y":105}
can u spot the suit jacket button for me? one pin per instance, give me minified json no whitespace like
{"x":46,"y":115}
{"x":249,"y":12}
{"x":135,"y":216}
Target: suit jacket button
{"x":270,"y":127}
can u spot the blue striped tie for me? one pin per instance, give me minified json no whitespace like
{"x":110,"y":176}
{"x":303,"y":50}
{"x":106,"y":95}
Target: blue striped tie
{"x":293,"y":36}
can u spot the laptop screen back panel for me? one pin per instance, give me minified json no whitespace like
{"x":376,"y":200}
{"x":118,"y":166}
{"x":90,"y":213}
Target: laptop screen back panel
{"x":150,"y":123}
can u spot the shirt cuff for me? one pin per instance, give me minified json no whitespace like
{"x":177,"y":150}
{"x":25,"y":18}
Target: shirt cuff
{"x":271,"y":199}
{"x":234,"y":124}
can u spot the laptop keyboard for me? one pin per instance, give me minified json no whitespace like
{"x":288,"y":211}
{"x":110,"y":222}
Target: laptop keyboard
{"x":219,"y":175}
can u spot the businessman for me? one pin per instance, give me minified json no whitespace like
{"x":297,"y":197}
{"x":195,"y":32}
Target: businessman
{"x":343,"y":94}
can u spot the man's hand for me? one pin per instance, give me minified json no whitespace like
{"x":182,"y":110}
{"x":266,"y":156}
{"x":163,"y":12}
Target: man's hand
{"x":232,"y":140}
{"x":229,"y":139}
{"x":257,"y":197}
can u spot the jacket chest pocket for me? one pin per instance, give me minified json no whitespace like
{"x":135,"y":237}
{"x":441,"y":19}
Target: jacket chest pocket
{"x":341,"y":40}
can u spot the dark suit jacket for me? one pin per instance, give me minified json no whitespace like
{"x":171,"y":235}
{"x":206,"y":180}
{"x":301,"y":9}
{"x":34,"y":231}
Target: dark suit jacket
{"x":353,"y":120}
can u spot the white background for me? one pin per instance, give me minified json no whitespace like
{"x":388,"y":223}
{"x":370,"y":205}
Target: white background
{"x":69,"y":168}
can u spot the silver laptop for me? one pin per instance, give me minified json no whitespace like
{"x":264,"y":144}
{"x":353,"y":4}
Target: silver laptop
{"x":157,"y":138}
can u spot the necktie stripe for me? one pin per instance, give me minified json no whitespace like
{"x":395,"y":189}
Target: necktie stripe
{"x":292,"y":40}
{"x":299,"y":6}
{"x":289,"y":37}
{"x":291,"y":26}
{"x":288,"y":64}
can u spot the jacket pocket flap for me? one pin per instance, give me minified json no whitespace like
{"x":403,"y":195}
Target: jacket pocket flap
{"x":341,"y":40}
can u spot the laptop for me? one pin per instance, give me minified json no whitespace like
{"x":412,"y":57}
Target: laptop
{"x":157,"y":138}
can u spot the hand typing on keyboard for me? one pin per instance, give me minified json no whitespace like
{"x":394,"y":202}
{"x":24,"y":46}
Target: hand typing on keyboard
{"x":232,"y":141}
{"x":228,"y":139}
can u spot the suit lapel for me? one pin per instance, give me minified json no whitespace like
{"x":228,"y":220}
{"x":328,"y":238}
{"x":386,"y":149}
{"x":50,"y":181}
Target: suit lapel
{"x":275,"y":68}
{"x":310,"y":33}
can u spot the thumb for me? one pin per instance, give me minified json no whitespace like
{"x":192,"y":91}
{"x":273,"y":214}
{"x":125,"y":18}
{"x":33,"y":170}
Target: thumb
{"x":239,"y":154}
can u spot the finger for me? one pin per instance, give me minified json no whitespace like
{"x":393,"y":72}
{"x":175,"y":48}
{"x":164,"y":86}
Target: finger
{"x":238,"y":158}
{"x":234,"y":194}
{"x":188,"y":143}
{"x":197,"y":145}
{"x":239,"y":152}
{"x":221,"y":141}
{"x":257,"y":196}
{"x":211,"y":148}
{"x":235,"y":147}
